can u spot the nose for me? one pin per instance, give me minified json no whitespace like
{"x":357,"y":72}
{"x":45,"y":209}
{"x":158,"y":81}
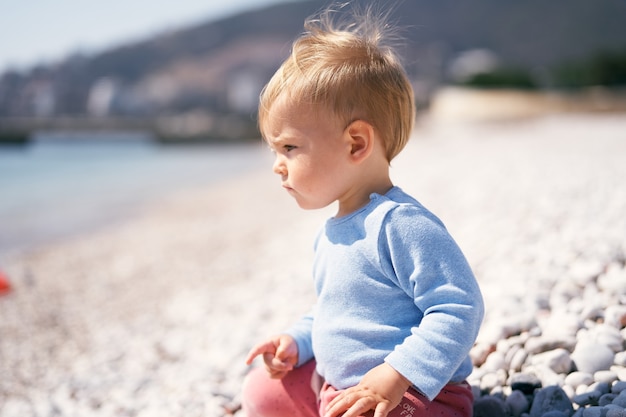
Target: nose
{"x":279,"y":166}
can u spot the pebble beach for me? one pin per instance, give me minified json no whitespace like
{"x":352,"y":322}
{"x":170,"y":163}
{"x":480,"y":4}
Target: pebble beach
{"x":153,"y":316}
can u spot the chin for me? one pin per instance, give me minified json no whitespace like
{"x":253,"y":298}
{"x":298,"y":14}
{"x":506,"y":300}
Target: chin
{"x":308,"y":205}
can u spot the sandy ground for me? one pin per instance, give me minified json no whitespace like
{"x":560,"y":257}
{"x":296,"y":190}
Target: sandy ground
{"x":153,"y":317}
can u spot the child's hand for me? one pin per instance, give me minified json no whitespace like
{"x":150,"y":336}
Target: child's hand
{"x":280,"y":354}
{"x":381,"y":390}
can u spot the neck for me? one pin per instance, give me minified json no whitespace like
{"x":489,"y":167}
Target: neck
{"x":359,"y":195}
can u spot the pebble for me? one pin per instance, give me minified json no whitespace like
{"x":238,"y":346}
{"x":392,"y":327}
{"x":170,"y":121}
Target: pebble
{"x":620,"y":400}
{"x":620,"y":358}
{"x":578,"y":378}
{"x":618,"y":387}
{"x":489,"y":406}
{"x":606,"y":377}
{"x":558,"y":360}
{"x":546,"y":239}
{"x":592,"y":357}
{"x":526,"y":383}
{"x":551,"y":399}
{"x":517,"y":403}
{"x":588,"y":398}
{"x":615,"y":316}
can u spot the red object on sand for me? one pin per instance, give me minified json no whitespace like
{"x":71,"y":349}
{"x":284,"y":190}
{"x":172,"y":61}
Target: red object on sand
{"x":5,"y":285}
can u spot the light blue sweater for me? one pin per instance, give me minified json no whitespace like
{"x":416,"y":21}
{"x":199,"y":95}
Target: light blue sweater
{"x":392,"y":286}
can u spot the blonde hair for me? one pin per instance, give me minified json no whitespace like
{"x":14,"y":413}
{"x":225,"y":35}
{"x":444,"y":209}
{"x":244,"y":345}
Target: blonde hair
{"x":348,"y":68}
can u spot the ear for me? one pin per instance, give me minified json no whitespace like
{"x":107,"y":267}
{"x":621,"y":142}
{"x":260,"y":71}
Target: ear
{"x":361,"y":137}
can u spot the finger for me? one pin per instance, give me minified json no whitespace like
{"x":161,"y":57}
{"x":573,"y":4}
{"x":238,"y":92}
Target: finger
{"x":277,"y":374}
{"x":257,"y":350}
{"x":275,"y":365}
{"x":251,"y":355}
{"x":338,"y":399}
{"x":361,"y":406}
{"x":286,"y":354}
{"x":382,"y":409}
{"x":273,"y":362}
{"x":340,"y":404}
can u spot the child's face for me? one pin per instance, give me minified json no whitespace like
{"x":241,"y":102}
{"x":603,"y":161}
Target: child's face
{"x":311,"y":154}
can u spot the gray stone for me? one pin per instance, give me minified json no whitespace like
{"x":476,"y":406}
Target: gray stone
{"x":551,"y":398}
{"x":606,"y":399}
{"x":476,"y":392}
{"x":615,"y":412}
{"x":601,"y":387}
{"x":489,"y":406}
{"x":594,"y":412}
{"x":618,"y":387}
{"x":588,"y":398}
{"x":555,"y":413}
{"x":517,"y":403}
{"x":620,"y":400}
{"x":592,"y":357}
{"x":526,"y":383}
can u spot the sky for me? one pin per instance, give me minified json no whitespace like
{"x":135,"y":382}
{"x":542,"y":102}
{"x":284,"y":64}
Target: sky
{"x":44,"y":31}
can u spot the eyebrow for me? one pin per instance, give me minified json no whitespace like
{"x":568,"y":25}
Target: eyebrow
{"x":279,"y":141}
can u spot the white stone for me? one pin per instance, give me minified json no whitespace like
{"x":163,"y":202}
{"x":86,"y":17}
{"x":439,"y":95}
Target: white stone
{"x":620,"y":358}
{"x":561,"y":321}
{"x":494,"y":362}
{"x":546,"y":375}
{"x":591,"y":357}
{"x":569,"y":391}
{"x":578,"y":378}
{"x":585,"y":271}
{"x":605,"y":376}
{"x":615,"y":315}
{"x":493,"y":379}
{"x":518,"y":359}
{"x":620,"y":371}
{"x":614,"y":279}
{"x":558,"y":360}
{"x":591,"y":312}
{"x":603,"y":334}
{"x":480,"y":352}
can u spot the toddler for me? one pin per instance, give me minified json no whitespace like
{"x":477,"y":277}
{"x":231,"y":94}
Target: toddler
{"x":398,"y":307}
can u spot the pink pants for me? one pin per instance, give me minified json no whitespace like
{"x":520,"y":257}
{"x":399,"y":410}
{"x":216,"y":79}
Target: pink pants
{"x":293,"y":396}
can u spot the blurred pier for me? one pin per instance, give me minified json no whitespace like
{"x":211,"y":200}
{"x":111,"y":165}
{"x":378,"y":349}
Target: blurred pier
{"x":168,"y":129}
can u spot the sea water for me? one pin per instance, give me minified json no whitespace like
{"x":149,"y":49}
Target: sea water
{"x":60,"y":185}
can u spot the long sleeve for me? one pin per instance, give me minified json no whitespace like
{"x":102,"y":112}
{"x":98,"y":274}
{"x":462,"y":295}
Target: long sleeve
{"x":301,"y":332}
{"x":431,"y":269}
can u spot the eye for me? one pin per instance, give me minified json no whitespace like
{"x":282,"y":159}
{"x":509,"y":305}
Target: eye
{"x":289,"y":148}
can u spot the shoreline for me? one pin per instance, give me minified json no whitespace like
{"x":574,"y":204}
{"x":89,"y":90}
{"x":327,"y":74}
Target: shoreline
{"x":57,"y":189}
{"x":153,"y":316}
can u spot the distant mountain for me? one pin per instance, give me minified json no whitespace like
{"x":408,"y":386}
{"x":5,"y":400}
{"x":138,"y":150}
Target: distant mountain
{"x":219,"y":67}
